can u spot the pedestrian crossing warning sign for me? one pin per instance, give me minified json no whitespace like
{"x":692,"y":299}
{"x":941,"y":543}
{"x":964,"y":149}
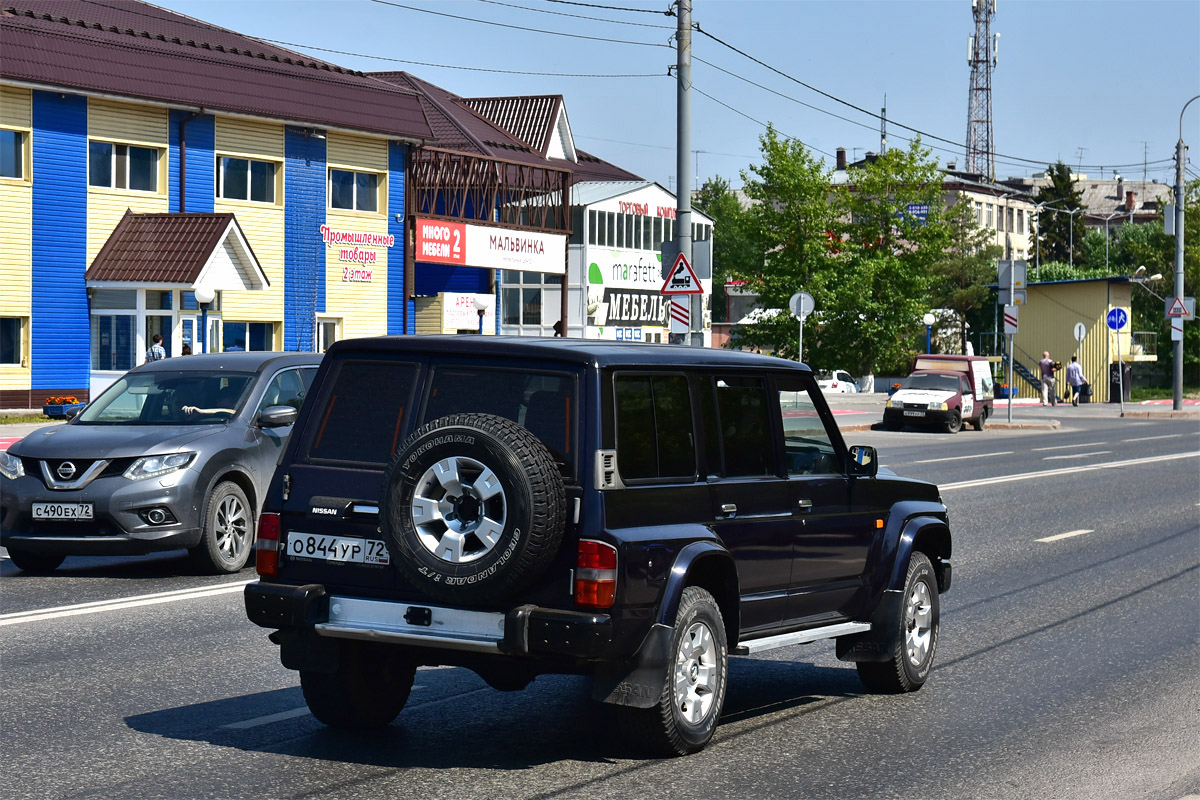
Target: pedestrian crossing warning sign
{"x":682,"y":279}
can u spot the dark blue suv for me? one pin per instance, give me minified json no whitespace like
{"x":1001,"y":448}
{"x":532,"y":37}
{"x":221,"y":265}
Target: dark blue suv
{"x":636,"y":513}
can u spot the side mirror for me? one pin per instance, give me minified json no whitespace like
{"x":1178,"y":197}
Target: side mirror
{"x":276,"y":416}
{"x":72,"y":412}
{"x":864,"y":461}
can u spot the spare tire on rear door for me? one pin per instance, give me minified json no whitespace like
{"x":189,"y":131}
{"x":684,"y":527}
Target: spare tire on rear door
{"x":473,"y":506}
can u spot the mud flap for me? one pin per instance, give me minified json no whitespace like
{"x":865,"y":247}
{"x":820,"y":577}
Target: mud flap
{"x":303,"y":650}
{"x":879,"y":643}
{"x":637,"y":682}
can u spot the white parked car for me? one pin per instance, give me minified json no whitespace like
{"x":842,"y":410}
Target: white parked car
{"x":837,"y":380}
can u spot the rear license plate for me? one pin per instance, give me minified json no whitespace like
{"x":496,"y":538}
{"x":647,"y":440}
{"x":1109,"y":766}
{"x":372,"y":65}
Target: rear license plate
{"x":80,"y":511}
{"x":346,"y":549}
{"x":914,"y":413}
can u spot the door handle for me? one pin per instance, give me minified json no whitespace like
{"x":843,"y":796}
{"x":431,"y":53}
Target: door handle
{"x":728,"y":508}
{"x":804,"y":503}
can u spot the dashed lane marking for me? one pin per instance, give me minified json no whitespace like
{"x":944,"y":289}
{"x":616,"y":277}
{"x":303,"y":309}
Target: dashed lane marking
{"x":1066,"y":535}
{"x":960,"y":458}
{"x":1167,"y":436}
{"x":1048,"y":473}
{"x":58,"y":612}
{"x":1068,"y":446}
{"x":1077,"y":455}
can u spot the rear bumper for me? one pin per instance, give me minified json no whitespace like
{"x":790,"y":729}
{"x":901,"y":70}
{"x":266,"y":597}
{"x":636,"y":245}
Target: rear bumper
{"x":524,"y":630}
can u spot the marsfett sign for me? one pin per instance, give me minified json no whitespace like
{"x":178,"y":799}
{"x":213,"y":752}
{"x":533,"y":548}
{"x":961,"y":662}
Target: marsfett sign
{"x":682,"y":279}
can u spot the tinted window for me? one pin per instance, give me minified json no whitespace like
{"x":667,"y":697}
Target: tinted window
{"x":745,"y":426}
{"x":363,"y":415}
{"x":541,"y":402}
{"x":654,"y":427}
{"x":806,"y":441}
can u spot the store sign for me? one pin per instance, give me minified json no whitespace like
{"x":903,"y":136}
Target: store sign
{"x":634,"y":307}
{"x":459,"y":313}
{"x":359,"y":248}
{"x":468,"y":245}
{"x":646,"y":209}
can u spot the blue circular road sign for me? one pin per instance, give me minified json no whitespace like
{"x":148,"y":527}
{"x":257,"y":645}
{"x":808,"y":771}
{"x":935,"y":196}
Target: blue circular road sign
{"x":1117,"y":318}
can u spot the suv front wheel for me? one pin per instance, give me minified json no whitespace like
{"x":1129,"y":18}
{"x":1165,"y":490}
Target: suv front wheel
{"x":908,"y":667}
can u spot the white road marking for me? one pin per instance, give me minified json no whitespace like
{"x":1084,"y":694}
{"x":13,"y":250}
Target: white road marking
{"x":58,"y":612}
{"x":959,"y":458}
{"x":1077,"y":455}
{"x":1068,"y":446}
{"x":1046,"y":473}
{"x":1066,"y":535}
{"x":268,"y":719}
{"x":1167,"y":436}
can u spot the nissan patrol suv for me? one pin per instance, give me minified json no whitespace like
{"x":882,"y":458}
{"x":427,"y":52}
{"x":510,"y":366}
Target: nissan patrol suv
{"x":635,"y":513}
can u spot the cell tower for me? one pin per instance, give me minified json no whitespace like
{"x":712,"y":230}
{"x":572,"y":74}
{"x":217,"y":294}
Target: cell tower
{"x":981,"y":55}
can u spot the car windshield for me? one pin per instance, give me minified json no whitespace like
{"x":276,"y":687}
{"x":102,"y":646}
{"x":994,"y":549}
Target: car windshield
{"x":169,"y":398}
{"x":939,"y":383}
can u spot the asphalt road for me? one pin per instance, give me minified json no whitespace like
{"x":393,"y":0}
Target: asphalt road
{"x":1067,"y":668}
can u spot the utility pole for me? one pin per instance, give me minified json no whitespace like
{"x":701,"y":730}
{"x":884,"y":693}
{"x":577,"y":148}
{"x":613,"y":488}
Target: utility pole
{"x":883,"y":126}
{"x":683,"y":149}
{"x":1180,"y":160}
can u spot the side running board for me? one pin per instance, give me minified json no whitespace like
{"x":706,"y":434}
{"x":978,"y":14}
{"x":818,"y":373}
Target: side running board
{"x":798,"y":637}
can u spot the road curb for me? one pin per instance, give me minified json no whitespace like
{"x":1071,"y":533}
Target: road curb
{"x":1172,"y":414}
{"x":1050,"y":425}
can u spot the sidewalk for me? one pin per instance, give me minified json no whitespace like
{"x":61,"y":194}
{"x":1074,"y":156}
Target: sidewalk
{"x":859,"y":412}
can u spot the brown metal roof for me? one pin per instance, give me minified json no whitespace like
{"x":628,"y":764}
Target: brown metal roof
{"x":160,"y":248}
{"x":140,"y":51}
{"x":529,"y":119}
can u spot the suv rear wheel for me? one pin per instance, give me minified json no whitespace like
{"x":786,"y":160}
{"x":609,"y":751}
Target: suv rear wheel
{"x":475,"y":506}
{"x":369,"y":688}
{"x":685,"y":717}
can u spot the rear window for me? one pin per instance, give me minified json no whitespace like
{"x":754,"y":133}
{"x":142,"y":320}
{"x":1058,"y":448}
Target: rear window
{"x":362,"y":419}
{"x":541,"y":402}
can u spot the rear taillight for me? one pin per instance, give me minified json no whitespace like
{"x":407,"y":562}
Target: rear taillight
{"x":595,"y":575}
{"x":266,"y":549}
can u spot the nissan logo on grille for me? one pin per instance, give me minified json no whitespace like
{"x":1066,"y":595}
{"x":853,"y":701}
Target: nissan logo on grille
{"x":66,"y":470}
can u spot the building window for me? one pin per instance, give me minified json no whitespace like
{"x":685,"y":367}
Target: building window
{"x":327,"y":333}
{"x":114,"y":339}
{"x":1020,"y":220}
{"x":355,"y":191}
{"x":245,"y":179}
{"x":988,"y":219}
{"x":978,"y":213}
{"x":10,"y":340}
{"x":121,"y":166}
{"x":247,"y":336}
{"x":1009,"y":221}
{"x":591,"y":227}
{"x":12,"y":154}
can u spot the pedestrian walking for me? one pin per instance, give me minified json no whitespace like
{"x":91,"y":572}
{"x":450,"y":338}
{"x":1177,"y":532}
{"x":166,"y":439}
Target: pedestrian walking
{"x":156,"y":352}
{"x":1075,"y":379}
{"x":1049,"y":393}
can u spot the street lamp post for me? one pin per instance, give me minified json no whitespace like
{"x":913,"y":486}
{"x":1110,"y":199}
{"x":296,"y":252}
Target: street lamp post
{"x":1106,"y":240}
{"x":928,"y":320}
{"x":482,"y":303}
{"x":204,"y":296}
{"x":1177,"y":352}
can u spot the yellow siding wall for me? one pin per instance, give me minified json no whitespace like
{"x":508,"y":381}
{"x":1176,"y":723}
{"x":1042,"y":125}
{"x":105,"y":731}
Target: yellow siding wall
{"x":132,"y":124}
{"x":429,"y":314}
{"x":262,"y":224}
{"x":362,"y":306}
{"x":16,"y":231}
{"x":1047,"y":322}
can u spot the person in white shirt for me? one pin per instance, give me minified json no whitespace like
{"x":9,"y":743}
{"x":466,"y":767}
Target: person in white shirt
{"x":1075,"y":379}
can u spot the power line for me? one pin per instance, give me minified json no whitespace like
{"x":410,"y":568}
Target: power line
{"x":472,"y":69}
{"x":759,"y":121}
{"x":612,"y":8}
{"x":518,"y":27}
{"x":924,"y":134}
{"x":579,"y":16}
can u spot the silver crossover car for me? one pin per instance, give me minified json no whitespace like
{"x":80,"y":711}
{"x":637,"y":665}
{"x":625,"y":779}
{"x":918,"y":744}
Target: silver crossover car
{"x":176,"y":454}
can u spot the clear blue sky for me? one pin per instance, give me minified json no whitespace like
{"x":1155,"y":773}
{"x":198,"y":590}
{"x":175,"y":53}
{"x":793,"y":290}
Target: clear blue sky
{"x":1094,"y":82}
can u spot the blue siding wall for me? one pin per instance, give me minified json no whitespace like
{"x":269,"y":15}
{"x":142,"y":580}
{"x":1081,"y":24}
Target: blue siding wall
{"x":303,"y":251}
{"x":435,"y":278}
{"x":60,"y":326}
{"x":201,"y":167}
{"x":398,"y":316}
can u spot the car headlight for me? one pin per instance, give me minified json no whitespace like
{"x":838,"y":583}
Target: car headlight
{"x":936,"y":406}
{"x":889,"y":403}
{"x":11,"y":467}
{"x":153,"y":466}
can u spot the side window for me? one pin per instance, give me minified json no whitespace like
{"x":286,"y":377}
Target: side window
{"x":964,"y":386}
{"x":745,"y":426}
{"x":654,"y":427}
{"x":287,"y":388}
{"x":363,"y":414}
{"x":806,"y":443}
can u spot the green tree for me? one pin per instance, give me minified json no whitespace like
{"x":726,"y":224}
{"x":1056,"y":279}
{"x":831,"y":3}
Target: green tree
{"x":733,"y":251}
{"x":790,"y":223}
{"x":962,"y":274}
{"x":1054,"y":222}
{"x":872,"y":295}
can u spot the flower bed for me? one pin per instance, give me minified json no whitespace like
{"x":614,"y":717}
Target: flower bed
{"x":58,"y":407}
